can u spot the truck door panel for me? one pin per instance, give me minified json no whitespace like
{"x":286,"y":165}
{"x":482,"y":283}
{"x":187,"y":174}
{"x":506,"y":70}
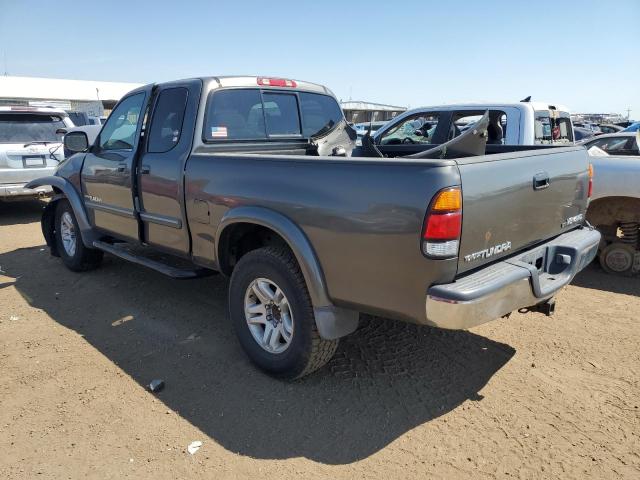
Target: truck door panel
{"x":160,"y":180}
{"x":107,"y":173}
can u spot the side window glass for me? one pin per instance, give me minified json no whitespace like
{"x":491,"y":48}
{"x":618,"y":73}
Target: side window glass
{"x":415,"y":129}
{"x":166,"y":124}
{"x":120,"y":130}
{"x":281,"y":114}
{"x":234,"y":114}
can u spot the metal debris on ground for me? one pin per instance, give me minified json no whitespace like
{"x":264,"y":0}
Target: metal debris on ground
{"x":194,"y":447}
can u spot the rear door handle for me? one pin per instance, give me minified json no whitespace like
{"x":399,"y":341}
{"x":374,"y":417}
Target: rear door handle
{"x":145,"y":169}
{"x":121,"y":167}
{"x":540,"y":181}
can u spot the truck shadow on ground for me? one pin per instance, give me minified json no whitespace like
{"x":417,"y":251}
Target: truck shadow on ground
{"x":385,"y":379}
{"x":596,"y":278}
{"x":20,"y":212}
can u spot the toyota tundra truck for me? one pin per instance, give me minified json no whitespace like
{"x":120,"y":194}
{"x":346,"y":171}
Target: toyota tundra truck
{"x":252,"y":177}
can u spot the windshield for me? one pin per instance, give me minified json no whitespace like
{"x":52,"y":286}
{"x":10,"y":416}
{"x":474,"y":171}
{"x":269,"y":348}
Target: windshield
{"x":29,"y":127}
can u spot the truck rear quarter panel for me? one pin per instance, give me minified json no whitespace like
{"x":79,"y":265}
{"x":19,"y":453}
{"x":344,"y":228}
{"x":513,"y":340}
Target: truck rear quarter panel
{"x":364,"y":219}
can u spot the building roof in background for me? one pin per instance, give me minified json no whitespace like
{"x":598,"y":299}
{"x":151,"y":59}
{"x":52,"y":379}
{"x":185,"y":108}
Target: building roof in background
{"x":62,"y":89}
{"x":359,"y":105}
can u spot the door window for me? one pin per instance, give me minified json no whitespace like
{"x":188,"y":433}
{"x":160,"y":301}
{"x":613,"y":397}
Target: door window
{"x":166,"y":124}
{"x":120,"y":130}
{"x":463,"y":120}
{"x":418,"y":128}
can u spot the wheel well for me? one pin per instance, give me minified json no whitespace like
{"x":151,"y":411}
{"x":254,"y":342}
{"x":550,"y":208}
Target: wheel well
{"x":240,"y":238}
{"x":613,"y":210}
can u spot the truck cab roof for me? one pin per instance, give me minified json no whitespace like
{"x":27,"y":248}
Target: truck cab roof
{"x":535,"y":106}
{"x":238,"y":81}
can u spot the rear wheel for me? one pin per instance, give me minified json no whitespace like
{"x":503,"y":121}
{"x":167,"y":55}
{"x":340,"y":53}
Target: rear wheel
{"x":618,"y":258}
{"x":273,"y":317}
{"x":69,"y":244}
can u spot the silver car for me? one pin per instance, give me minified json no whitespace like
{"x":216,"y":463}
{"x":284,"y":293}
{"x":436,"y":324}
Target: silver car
{"x":622,"y":143}
{"x":30,"y":147}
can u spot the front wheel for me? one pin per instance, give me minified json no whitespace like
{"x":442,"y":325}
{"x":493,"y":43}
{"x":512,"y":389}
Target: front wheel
{"x":69,"y":244}
{"x":272,"y":314}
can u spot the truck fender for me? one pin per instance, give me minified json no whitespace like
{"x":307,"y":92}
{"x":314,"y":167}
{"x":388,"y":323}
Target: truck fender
{"x":332,"y":322}
{"x":71,"y":194}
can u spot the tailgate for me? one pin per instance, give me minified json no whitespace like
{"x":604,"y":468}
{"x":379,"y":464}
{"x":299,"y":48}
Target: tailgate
{"x":512,"y":201}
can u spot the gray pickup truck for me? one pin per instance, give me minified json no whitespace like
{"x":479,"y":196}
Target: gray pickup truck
{"x":251,"y":177}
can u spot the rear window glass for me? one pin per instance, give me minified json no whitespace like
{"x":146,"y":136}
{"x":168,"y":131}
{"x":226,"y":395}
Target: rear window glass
{"x":550,"y":130}
{"x":240,"y":114}
{"x":320,"y":113}
{"x":281,"y":114}
{"x":235,"y":115}
{"x":29,"y":127}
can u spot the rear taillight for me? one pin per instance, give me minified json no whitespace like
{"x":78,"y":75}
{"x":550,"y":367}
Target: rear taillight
{"x":590,"y":190}
{"x":277,"y":82}
{"x":443,"y":224}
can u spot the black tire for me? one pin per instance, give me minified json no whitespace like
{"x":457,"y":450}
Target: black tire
{"x":618,"y":259}
{"x":83,"y":258}
{"x":307,"y":351}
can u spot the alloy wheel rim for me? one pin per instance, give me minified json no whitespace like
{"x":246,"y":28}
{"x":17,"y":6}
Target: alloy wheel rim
{"x":268,"y":315}
{"x":68,"y":234}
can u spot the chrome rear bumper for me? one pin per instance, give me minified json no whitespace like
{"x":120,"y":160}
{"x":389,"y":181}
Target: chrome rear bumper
{"x":511,"y":284}
{"x":18,"y":190}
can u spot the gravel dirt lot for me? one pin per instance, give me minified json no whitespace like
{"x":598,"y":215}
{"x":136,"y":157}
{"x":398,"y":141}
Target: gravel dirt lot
{"x":523,"y":397}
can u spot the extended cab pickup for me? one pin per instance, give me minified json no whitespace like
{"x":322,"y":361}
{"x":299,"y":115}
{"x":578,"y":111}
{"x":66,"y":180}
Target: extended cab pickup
{"x":251,"y":177}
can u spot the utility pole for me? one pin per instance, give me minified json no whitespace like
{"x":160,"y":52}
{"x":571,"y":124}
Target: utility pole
{"x":6,"y":70}
{"x":628,"y":112}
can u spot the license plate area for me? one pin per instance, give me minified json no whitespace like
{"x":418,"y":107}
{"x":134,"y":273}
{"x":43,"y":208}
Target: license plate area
{"x":33,"y":161}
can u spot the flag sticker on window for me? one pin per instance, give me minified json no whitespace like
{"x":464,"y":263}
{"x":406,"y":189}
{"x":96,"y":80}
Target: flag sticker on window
{"x":219,"y":132}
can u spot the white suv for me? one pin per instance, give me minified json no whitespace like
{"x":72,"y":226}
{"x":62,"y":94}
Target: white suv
{"x":29,"y":148}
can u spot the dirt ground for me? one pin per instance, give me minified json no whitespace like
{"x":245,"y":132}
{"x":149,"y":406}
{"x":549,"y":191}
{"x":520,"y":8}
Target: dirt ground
{"x":524,"y":397}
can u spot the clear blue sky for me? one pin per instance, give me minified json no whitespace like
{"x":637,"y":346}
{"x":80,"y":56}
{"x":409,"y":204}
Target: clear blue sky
{"x":585,"y":54}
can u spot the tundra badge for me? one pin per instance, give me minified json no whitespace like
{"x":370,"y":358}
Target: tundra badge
{"x":488,"y":252}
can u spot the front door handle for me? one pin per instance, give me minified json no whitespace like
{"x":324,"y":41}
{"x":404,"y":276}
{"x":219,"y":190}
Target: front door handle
{"x":540,"y":181}
{"x":144,"y":169}
{"x":121,"y":167}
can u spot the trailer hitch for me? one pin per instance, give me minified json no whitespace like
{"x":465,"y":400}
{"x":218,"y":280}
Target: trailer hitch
{"x":547,"y":307}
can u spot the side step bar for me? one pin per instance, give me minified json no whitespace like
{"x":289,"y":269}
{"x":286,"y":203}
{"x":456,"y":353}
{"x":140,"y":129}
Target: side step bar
{"x":122,"y":250}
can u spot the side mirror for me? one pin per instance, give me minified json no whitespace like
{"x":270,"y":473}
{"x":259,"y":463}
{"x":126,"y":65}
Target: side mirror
{"x":76,"y":142}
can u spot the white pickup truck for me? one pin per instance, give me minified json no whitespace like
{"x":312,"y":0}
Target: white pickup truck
{"x":522,"y":123}
{"x":30,"y":147}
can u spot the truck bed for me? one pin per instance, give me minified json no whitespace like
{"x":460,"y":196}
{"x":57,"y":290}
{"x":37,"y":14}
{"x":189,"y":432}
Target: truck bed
{"x":364,"y":216}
